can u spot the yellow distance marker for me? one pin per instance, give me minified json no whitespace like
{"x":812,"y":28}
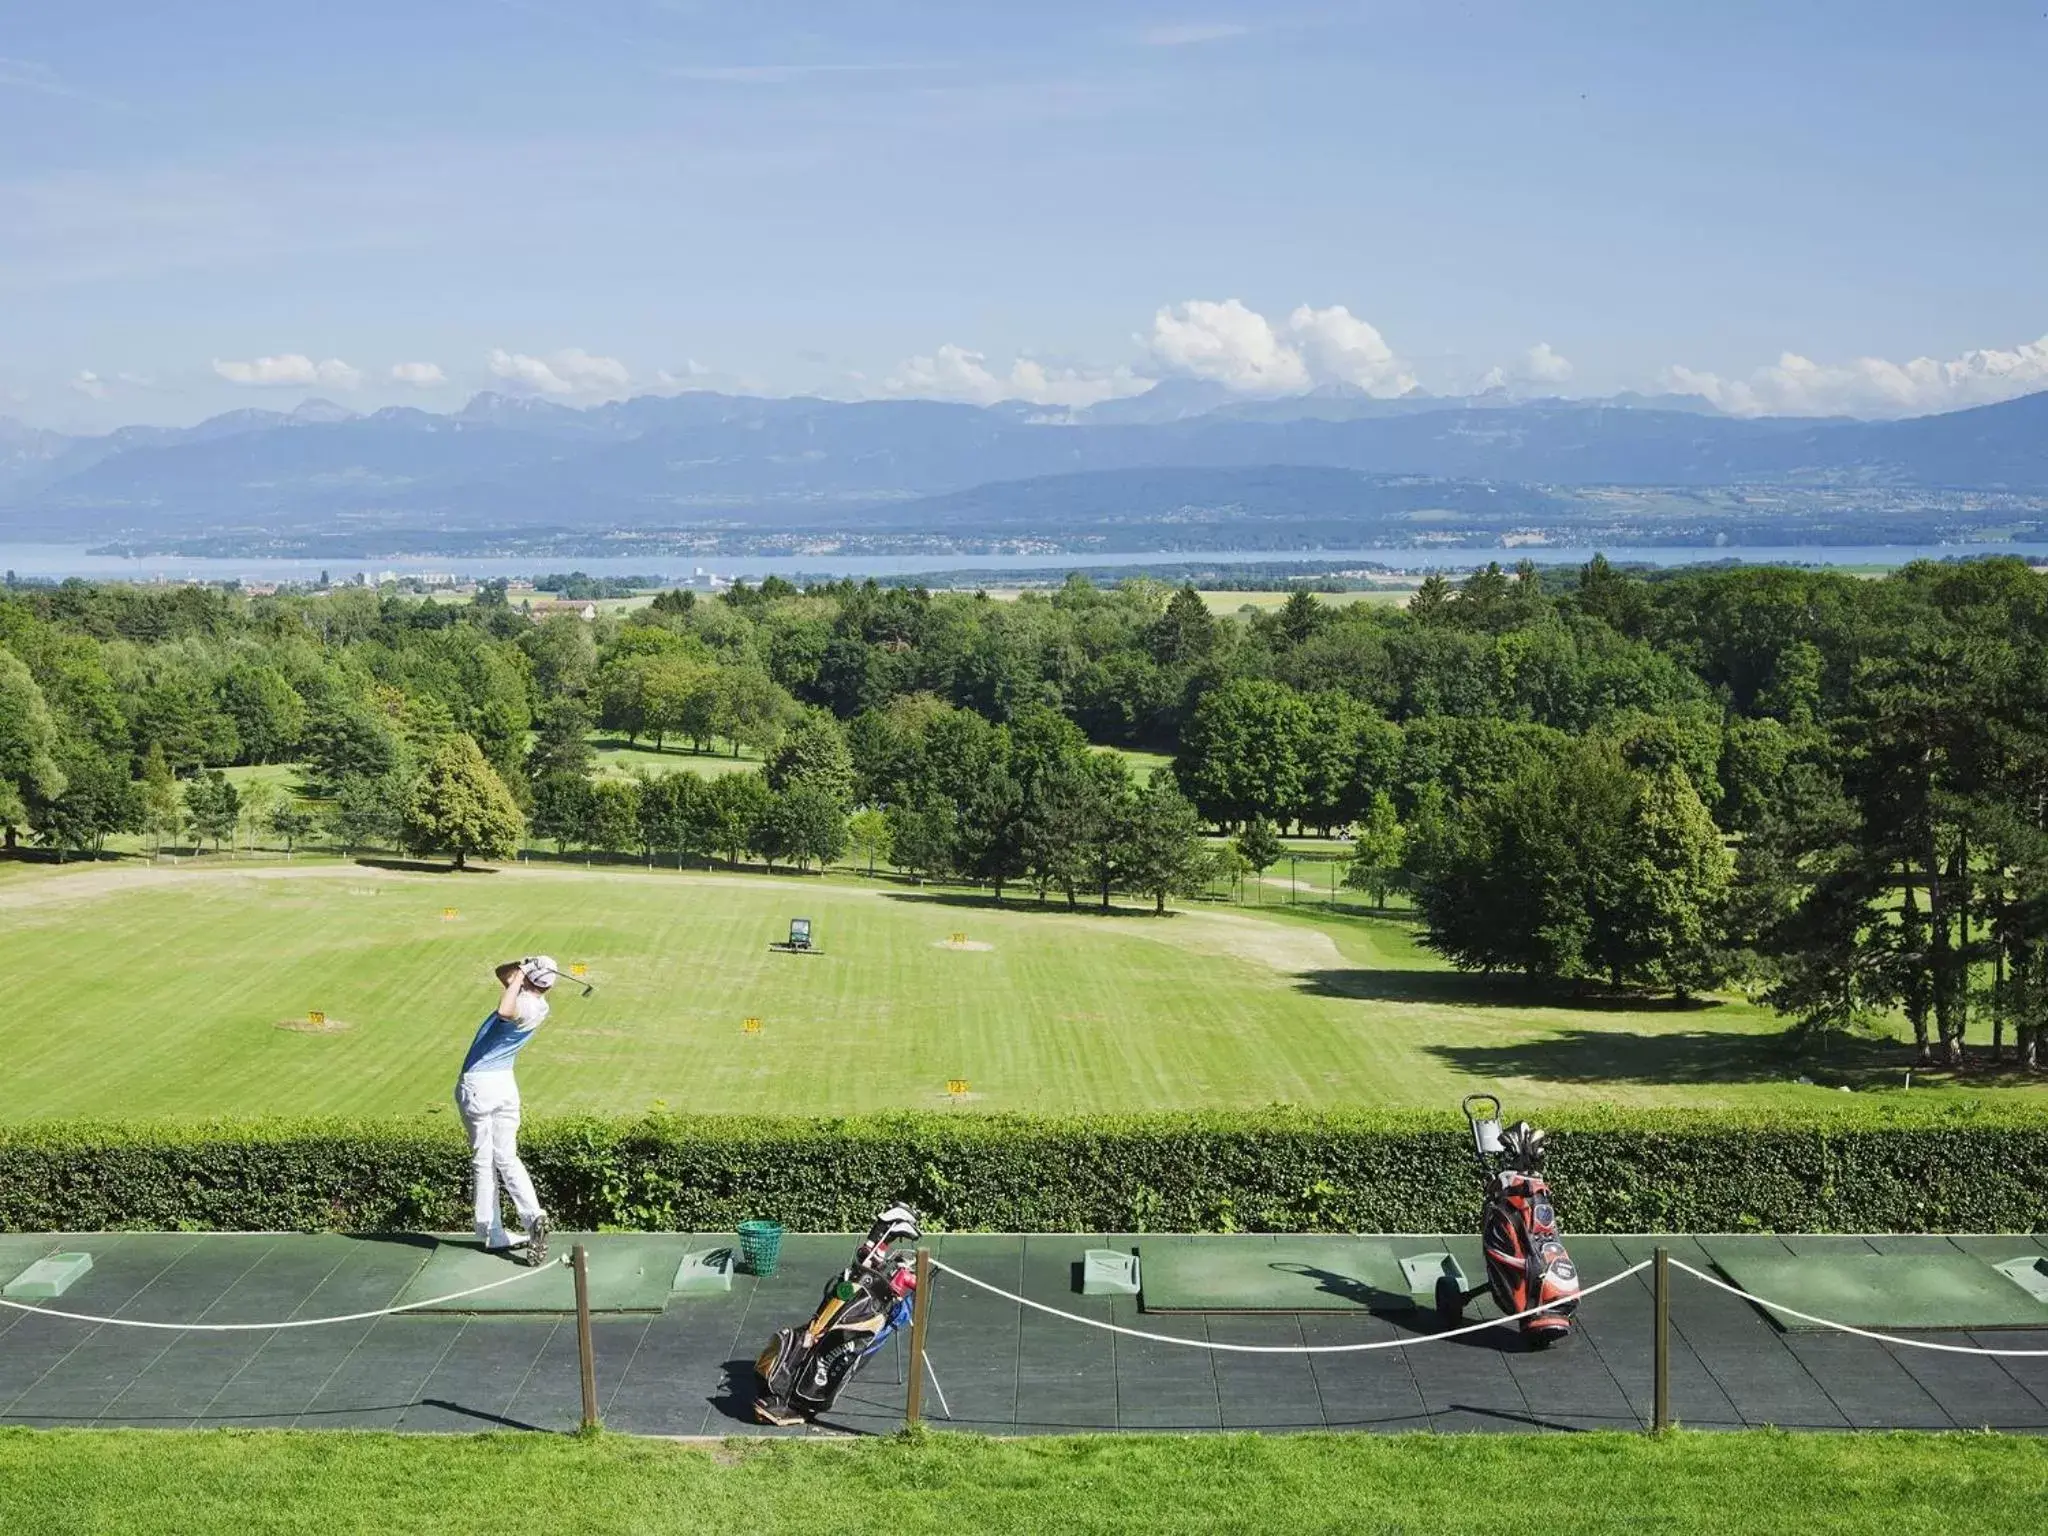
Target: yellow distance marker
{"x":315,"y":1016}
{"x":751,"y":1026}
{"x":448,"y":914}
{"x":956,"y":1086}
{"x":959,"y":938}
{"x":577,"y":968}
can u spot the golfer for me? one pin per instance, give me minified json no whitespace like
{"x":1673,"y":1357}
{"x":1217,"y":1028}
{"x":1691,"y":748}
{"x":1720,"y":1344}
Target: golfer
{"x":488,"y":1096}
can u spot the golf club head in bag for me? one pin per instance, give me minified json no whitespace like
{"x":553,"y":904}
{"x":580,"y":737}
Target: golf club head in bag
{"x":801,"y":1371}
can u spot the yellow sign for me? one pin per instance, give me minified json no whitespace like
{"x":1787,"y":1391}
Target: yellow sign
{"x":578,"y":969}
{"x":447,"y":914}
{"x":315,"y":1016}
{"x":751,"y":1026}
{"x":957,"y":1085}
{"x":959,"y":938}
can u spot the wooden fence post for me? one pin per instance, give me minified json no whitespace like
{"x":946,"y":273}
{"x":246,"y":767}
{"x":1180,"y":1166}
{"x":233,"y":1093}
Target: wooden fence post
{"x":920,"y":1311}
{"x":579,"y":1260}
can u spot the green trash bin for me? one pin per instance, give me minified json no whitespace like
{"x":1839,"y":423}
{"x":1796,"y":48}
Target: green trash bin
{"x":760,"y":1246}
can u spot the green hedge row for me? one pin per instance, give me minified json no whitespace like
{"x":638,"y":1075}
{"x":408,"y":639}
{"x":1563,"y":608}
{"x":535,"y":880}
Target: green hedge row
{"x":1880,"y":1169}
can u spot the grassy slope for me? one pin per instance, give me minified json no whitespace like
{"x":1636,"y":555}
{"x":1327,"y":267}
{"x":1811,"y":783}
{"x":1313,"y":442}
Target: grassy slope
{"x":157,"y":992}
{"x":113,"y":1483}
{"x":614,"y":756}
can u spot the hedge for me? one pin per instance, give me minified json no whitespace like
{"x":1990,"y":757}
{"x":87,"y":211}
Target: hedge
{"x":1880,"y":1168}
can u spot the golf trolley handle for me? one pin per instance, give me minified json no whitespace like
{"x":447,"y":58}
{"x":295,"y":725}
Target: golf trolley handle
{"x":1482,"y":1124}
{"x":1480,"y":1098}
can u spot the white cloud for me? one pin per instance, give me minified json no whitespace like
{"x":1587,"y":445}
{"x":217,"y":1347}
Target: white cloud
{"x":571,"y":371}
{"x":1184,"y":33}
{"x":1230,"y":344}
{"x":1339,"y":348}
{"x":1227,"y":344}
{"x":954,"y":373}
{"x":1541,"y":364}
{"x":1872,"y":386}
{"x":89,"y":384}
{"x":293,"y":368}
{"x":418,"y":375}
{"x":690,"y":376}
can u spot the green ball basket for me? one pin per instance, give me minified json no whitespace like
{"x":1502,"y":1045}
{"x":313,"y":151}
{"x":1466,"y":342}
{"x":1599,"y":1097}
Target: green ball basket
{"x":760,"y":1246}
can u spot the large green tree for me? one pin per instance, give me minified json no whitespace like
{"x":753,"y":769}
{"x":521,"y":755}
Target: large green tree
{"x":1163,"y":853}
{"x":28,"y":743}
{"x":459,"y":806}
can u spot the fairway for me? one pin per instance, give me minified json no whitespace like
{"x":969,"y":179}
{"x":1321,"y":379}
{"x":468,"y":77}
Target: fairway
{"x":187,"y":991}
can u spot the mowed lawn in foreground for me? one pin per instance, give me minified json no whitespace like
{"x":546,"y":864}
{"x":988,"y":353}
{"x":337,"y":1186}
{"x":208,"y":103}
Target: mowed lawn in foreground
{"x":113,"y":1483}
{"x":186,"y":992}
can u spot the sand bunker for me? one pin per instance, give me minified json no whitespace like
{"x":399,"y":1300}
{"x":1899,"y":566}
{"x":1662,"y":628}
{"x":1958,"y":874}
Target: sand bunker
{"x":961,"y":944}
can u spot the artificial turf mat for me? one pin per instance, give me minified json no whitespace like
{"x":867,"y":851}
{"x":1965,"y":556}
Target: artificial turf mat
{"x":629,"y":1272}
{"x":1289,"y":1274}
{"x":1880,"y":1290}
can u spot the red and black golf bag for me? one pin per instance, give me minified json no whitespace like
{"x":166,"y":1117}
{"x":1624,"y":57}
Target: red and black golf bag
{"x":1526,"y":1262}
{"x":802,"y":1371}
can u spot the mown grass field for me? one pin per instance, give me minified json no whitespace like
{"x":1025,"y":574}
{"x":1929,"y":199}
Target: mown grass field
{"x":113,"y":1483}
{"x":180,"y":990}
{"x":616,"y":757}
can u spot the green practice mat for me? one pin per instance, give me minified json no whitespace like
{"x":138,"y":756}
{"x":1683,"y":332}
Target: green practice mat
{"x":1294,"y":1274}
{"x":628,"y":1273}
{"x":1880,"y":1290}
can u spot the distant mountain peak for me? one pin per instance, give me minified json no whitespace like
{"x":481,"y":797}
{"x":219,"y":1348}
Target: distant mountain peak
{"x":491,"y":405}
{"x":317,"y":412}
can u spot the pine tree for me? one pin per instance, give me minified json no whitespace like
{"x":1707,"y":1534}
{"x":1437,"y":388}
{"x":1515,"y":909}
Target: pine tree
{"x":560,"y":742}
{"x":1680,"y":874}
{"x":1162,"y":841}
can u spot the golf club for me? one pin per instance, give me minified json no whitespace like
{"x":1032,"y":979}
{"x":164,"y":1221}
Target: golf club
{"x":559,"y":974}
{"x":575,"y":981}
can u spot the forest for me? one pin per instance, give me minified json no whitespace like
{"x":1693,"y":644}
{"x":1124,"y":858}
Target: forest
{"x":1829,"y":790}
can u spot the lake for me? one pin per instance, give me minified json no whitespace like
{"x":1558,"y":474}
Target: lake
{"x":61,"y":560}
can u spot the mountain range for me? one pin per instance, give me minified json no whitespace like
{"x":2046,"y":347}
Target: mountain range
{"x":1180,"y":455}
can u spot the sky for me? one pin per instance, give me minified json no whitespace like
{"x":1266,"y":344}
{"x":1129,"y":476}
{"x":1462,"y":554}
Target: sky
{"x":1798,"y":207}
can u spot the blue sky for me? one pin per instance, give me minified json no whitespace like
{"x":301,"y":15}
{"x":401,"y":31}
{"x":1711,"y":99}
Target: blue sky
{"x":224,"y":204}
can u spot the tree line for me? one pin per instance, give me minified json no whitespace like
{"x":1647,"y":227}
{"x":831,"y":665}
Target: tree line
{"x":1829,"y":788}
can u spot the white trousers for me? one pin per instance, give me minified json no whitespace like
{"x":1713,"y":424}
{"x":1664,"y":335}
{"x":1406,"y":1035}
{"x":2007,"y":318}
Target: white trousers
{"x":489,"y":1102}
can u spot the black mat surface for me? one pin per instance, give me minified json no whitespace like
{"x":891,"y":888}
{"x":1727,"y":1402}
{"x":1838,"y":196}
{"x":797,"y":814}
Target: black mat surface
{"x":1003,"y":1369}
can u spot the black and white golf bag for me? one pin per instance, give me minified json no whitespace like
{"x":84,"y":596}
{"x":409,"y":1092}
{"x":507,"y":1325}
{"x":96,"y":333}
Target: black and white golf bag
{"x":802,"y":1371}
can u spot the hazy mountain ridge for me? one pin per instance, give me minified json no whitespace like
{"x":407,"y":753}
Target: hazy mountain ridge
{"x":702,"y":458}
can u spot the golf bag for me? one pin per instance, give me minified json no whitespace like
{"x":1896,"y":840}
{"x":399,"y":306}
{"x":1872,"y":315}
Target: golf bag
{"x":803,"y":1370}
{"x":1526,"y":1262}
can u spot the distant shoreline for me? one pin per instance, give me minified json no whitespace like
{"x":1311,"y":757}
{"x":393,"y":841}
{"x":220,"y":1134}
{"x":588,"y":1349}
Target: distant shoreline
{"x":1359,"y":568}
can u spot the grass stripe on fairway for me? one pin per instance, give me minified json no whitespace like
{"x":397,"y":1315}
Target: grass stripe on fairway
{"x":186,"y":990}
{"x":115,"y":1483}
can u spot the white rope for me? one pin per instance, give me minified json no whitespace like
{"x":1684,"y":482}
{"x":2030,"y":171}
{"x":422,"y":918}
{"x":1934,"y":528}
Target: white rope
{"x":1281,"y":1349}
{"x":1861,"y":1333}
{"x":943,"y":1408}
{"x":304,"y":1322}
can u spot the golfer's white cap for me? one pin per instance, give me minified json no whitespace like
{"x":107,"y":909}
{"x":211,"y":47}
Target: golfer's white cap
{"x":541,"y":970}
